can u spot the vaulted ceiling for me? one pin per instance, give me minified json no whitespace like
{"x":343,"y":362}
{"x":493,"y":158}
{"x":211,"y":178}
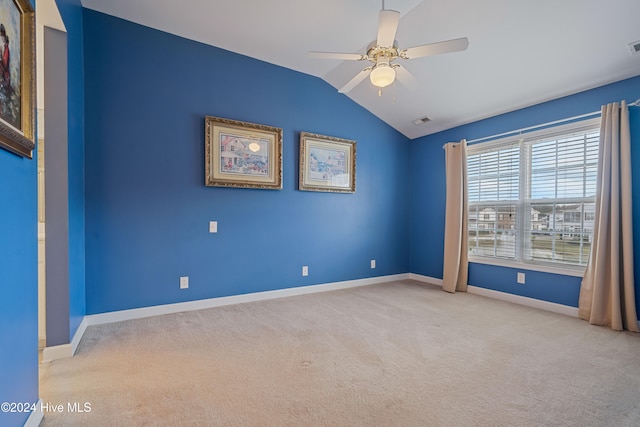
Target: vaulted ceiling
{"x":521,"y":52}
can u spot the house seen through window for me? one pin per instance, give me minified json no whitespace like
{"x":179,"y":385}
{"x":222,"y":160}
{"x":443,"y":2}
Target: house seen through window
{"x":532,"y":198}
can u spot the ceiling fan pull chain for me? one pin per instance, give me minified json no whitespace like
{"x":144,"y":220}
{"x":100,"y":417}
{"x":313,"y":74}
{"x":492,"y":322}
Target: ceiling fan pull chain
{"x":394,"y":96}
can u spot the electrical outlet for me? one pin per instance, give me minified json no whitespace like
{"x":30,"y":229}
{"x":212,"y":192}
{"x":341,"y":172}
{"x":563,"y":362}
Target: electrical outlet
{"x":521,"y":278}
{"x":373,"y":263}
{"x":305,"y":270}
{"x":213,"y":226}
{"x":184,"y":282}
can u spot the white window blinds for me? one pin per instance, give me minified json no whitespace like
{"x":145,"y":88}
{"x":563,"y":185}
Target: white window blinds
{"x":532,"y":198}
{"x":493,"y":176}
{"x":562,"y":197}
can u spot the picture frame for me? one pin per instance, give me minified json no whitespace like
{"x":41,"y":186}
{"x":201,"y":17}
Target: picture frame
{"x":327,"y":163}
{"x":242,"y":155}
{"x":17,"y":77}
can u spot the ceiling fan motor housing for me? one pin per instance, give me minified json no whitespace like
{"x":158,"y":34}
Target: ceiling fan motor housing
{"x":375,"y":52}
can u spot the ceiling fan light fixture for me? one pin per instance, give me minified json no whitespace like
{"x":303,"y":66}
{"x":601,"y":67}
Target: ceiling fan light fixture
{"x":382,"y":75}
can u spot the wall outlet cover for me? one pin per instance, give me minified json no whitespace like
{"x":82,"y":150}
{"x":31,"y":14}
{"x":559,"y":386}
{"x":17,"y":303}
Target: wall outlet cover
{"x":184,"y":282}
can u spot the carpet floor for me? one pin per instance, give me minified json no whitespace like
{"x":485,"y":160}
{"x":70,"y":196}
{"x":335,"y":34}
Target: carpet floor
{"x":394,"y":354}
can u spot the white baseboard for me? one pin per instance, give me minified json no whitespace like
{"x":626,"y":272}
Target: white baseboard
{"x":529,"y":302}
{"x":56,"y":352}
{"x":35,"y":417}
{"x":425,"y":279}
{"x":65,"y":350}
{"x":139,"y":313}
{"x":78,"y":335}
{"x":503,"y":296}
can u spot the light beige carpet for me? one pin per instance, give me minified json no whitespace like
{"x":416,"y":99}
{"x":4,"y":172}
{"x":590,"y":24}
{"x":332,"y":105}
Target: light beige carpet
{"x":397,"y":354}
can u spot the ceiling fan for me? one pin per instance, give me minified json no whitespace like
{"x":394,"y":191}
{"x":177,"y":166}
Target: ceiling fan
{"x":384,"y":51}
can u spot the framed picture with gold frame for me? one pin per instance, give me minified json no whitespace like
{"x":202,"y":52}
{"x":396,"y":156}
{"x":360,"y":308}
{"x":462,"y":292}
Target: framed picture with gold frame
{"x":242,"y":155}
{"x":327,"y":163}
{"x":17,"y":77}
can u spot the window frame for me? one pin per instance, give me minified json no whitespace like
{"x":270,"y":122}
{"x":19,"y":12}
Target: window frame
{"x":524,"y":140}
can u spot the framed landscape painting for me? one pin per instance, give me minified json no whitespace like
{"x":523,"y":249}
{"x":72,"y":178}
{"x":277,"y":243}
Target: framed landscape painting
{"x":243,"y":155}
{"x":327,"y":163}
{"x":17,"y":77}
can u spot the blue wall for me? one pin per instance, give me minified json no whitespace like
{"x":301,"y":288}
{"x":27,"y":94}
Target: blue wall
{"x":428,"y":192}
{"x":147,"y":209}
{"x":71,"y":12}
{"x":18,"y":284}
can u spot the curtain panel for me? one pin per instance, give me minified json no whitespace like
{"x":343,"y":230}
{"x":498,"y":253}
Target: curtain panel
{"x":456,"y":253}
{"x":607,"y":294}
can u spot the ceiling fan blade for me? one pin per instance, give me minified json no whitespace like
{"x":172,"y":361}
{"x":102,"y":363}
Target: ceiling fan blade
{"x":355,"y":81}
{"x":454,"y":45}
{"x":336,"y":55}
{"x":405,"y":77}
{"x":387,"y":27}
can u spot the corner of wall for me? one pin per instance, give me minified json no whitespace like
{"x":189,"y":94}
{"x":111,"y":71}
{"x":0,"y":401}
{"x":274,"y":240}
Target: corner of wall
{"x":64,"y":351}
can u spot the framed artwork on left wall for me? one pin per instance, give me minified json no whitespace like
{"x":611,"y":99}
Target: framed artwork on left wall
{"x":242,"y":155}
{"x":327,"y":164}
{"x":17,"y":77}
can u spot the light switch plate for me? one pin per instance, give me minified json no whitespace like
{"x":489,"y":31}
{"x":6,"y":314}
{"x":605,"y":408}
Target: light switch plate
{"x":373,"y":263}
{"x":213,"y":226}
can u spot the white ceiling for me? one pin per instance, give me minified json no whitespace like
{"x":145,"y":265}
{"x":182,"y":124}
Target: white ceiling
{"x":521,"y":52}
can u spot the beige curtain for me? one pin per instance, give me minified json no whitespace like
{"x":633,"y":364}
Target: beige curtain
{"x":607,"y":291}
{"x":455,"y":229}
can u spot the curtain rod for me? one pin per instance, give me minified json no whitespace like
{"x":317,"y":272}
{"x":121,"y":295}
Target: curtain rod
{"x":568,"y":119}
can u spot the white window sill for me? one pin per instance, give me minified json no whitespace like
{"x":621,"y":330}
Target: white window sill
{"x":577,"y":271}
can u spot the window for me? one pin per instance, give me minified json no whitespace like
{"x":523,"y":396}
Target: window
{"x":532,"y":199}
